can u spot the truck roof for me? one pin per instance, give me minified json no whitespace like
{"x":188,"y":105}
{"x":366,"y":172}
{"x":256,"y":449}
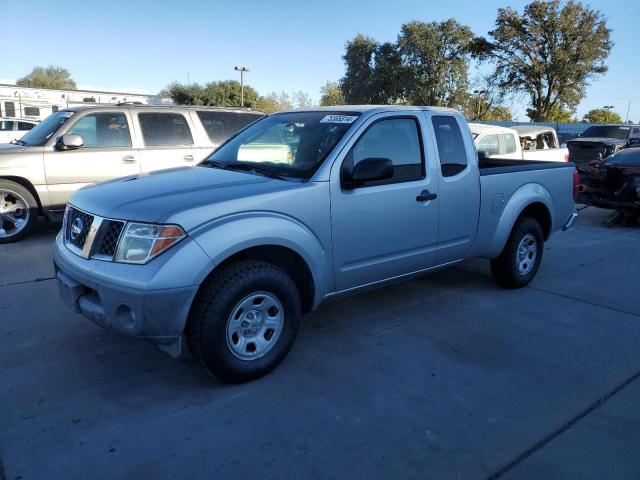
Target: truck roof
{"x":480,"y":128}
{"x":374,"y":108}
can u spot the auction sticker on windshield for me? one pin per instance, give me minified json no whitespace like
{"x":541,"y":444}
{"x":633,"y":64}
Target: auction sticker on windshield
{"x":339,"y":119}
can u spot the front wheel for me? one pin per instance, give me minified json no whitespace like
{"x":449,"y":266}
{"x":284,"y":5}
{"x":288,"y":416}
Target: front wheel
{"x":520,"y":259}
{"x":18,"y":211}
{"x":244,"y":320}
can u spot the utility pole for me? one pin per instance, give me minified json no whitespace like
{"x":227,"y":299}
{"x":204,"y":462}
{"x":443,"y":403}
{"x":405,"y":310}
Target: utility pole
{"x":626,"y":120}
{"x":241,"y":69}
{"x":188,"y":80}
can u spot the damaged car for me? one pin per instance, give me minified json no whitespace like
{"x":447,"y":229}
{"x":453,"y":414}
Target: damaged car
{"x":598,"y":142}
{"x":613,"y":183}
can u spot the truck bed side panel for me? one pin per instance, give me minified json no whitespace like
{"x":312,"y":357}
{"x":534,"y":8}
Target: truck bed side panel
{"x":507,"y":191}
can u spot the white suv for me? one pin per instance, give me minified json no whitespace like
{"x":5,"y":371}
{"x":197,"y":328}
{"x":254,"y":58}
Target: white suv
{"x":79,"y":146}
{"x":13,"y":128}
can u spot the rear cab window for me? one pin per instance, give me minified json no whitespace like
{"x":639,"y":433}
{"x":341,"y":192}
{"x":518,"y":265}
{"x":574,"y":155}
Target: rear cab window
{"x":222,"y":125}
{"x":453,"y":156}
{"x":164,"y":129}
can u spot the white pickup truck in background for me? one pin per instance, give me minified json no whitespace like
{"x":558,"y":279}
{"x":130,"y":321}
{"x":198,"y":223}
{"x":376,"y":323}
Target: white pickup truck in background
{"x":522,"y":142}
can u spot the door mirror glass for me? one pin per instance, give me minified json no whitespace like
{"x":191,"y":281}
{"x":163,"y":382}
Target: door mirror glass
{"x":369,"y":170}
{"x":69,"y":142}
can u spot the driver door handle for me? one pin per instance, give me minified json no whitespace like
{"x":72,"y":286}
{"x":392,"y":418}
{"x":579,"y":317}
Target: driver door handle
{"x":188,"y":158}
{"x":128,"y":159}
{"x":425,"y":196}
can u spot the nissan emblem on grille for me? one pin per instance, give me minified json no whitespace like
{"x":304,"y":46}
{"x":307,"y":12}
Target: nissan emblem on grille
{"x":76,"y":228}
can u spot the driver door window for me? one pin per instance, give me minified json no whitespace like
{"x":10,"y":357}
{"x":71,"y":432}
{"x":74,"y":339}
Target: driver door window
{"x":396,"y":139}
{"x":103,"y":130}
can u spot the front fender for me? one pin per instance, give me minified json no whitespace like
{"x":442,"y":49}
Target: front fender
{"x":521,"y":199}
{"x":229,"y":235}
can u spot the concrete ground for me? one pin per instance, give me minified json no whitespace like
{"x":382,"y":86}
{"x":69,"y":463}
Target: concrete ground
{"x":446,"y":376}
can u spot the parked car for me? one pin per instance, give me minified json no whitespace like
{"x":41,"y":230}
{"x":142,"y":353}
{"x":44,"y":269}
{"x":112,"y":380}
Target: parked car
{"x":228,"y":254}
{"x":13,"y":128}
{"x":79,"y":146}
{"x":613,"y":183}
{"x":598,"y":142}
{"x":522,"y":142}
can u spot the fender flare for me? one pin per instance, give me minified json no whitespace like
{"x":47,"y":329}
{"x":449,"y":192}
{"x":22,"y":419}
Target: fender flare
{"x":229,"y":235}
{"x":525,"y":196}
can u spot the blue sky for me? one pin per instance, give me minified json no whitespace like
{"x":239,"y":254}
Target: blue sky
{"x":289,"y":45}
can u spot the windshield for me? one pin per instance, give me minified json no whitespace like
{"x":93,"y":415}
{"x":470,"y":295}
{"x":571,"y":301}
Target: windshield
{"x":607,"y":131}
{"x":42,"y":132}
{"x":284,"y":144}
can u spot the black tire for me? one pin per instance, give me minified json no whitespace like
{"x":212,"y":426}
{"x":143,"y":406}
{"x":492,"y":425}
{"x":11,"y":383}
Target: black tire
{"x":15,"y":190}
{"x":505,"y":267}
{"x":211,"y":311}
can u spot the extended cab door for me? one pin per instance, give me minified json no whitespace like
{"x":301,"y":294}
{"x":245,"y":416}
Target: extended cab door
{"x":167,"y":140}
{"x":459,"y":186}
{"x":107,"y":153}
{"x":385,"y":229}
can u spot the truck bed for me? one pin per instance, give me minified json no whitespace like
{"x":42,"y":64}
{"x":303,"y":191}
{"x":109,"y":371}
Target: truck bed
{"x":494,"y":166}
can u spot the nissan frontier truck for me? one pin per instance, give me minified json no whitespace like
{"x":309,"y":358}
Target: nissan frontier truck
{"x":226,"y":256}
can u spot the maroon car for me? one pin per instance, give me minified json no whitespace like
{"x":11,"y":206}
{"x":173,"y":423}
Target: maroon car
{"x":613,"y":183}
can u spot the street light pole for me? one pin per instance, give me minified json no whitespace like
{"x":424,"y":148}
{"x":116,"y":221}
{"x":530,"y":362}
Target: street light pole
{"x":241,"y":69}
{"x":478,"y":93}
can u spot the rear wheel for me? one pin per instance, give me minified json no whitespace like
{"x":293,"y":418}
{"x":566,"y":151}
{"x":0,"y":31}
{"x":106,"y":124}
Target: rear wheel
{"x":520,"y":259}
{"x":18,"y":211}
{"x":244,"y":320}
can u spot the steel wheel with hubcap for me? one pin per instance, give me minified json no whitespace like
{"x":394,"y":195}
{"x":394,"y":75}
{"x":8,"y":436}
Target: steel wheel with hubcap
{"x":527,"y":254}
{"x":17,"y":209}
{"x":254,"y":326}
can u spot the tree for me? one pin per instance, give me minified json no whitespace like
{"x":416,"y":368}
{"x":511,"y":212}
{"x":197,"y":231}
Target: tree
{"x":225,"y":93}
{"x":601,"y":115}
{"x":387,"y":82}
{"x":331,"y":94}
{"x":498,"y":114}
{"x":301,"y":99}
{"x":357,"y":80}
{"x":559,"y":114}
{"x":435,"y":57}
{"x":274,"y":102}
{"x":48,"y":77}
{"x":485,"y":102}
{"x":550,"y":52}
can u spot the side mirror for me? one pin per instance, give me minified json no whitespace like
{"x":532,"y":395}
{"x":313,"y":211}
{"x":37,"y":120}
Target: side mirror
{"x":69,"y":142}
{"x":369,"y":170}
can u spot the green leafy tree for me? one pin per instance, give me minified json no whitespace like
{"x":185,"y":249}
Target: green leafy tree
{"x":48,"y":77}
{"x":498,"y":114}
{"x":331,"y":94}
{"x":225,"y":93}
{"x":387,"y":82}
{"x":301,"y":99}
{"x":549,"y":52}
{"x":601,"y":115}
{"x":357,"y":81}
{"x":561,"y":115}
{"x":274,"y":102}
{"x":436,"y":58}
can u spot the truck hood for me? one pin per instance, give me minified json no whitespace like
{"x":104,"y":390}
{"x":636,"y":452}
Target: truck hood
{"x":603,"y":140}
{"x":188,"y":196}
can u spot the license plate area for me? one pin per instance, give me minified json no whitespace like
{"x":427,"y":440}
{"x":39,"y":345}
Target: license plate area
{"x":70,"y":291}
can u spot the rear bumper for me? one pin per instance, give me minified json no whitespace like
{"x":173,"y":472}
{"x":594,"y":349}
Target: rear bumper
{"x":569,"y":222}
{"x":111,"y":296}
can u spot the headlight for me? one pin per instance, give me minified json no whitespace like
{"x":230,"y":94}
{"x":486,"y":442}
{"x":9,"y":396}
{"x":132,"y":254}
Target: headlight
{"x":141,"y":242}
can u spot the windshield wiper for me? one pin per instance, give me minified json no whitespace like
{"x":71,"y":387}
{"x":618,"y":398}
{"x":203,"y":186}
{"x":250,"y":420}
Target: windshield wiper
{"x":214,"y":164}
{"x":17,"y":141}
{"x":251,"y":168}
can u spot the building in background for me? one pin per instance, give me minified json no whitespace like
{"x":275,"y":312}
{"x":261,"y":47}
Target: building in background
{"x":38,"y":103}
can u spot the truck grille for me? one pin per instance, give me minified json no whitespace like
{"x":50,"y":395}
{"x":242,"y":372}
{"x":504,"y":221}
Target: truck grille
{"x":82,"y":228}
{"x":111,"y":230}
{"x":77,"y":227}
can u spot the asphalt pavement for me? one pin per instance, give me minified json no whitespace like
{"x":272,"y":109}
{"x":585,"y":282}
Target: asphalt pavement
{"x":446,"y":376}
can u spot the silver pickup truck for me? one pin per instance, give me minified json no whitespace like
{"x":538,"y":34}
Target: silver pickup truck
{"x":227,"y":255}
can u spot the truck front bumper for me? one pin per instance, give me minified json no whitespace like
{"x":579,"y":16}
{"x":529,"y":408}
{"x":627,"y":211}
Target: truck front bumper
{"x":131,"y":301}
